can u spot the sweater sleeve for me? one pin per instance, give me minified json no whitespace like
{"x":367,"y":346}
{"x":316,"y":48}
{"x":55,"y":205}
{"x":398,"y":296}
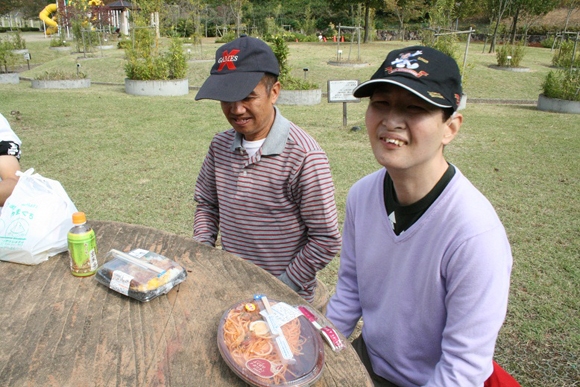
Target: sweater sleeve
{"x":206,"y":220}
{"x":477,"y":278}
{"x":344,"y":308}
{"x":314,"y":192}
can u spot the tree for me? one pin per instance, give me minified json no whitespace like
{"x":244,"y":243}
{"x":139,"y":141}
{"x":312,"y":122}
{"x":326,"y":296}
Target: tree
{"x":529,"y":10}
{"x":498,"y":8}
{"x":405,"y":10}
{"x":368,"y":5}
{"x":571,"y":5}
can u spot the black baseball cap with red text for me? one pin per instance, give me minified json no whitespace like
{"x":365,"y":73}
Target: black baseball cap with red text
{"x":424,"y":71}
{"x":239,"y":67}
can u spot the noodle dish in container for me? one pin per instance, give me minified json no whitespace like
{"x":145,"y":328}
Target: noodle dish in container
{"x":270,"y":343}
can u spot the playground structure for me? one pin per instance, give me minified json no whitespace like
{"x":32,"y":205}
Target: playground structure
{"x":116,"y":15}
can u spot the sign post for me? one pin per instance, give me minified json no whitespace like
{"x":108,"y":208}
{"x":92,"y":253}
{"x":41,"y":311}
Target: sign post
{"x":27,"y":59}
{"x":341,"y":91}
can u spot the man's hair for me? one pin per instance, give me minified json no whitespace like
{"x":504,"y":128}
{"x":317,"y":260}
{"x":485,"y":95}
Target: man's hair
{"x":268,"y":80}
{"x":447,"y":113}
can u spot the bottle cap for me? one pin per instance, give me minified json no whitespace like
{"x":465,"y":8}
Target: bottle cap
{"x":79,"y":218}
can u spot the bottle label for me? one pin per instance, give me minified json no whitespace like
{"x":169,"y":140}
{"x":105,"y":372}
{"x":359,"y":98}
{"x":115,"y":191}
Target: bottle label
{"x":83,"y":253}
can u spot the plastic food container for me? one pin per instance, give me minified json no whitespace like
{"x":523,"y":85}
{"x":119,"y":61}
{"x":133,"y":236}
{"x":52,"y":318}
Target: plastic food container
{"x":250,"y":349}
{"x":140,"y":274}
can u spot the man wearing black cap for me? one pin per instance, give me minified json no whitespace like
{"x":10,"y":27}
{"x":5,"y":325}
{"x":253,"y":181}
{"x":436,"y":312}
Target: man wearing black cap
{"x":265,"y":184}
{"x":425,"y":260}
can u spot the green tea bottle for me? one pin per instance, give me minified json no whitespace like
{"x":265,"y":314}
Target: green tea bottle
{"x":82,"y":247}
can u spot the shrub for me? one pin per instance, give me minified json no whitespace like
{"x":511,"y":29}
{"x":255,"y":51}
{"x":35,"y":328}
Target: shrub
{"x":562,"y":84}
{"x":59,"y":42}
{"x":145,"y":64}
{"x":281,"y":51}
{"x":185,"y":27}
{"x":85,"y":39}
{"x":60,"y":75}
{"x":177,"y":66}
{"x":563,"y":55}
{"x":510,"y":55}
{"x":548,"y":42}
{"x":17,"y":42}
{"x":7,"y":58}
{"x":124,"y":43}
{"x":227,"y":37}
{"x":447,"y":44}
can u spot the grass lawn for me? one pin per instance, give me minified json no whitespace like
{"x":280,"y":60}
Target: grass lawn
{"x":135,"y":159}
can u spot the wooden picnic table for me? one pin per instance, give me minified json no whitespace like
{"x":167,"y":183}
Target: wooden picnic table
{"x":60,"y":330}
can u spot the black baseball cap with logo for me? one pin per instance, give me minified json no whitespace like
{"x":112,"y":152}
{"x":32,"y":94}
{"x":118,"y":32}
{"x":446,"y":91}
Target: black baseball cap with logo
{"x":424,"y":71}
{"x":239,"y":66}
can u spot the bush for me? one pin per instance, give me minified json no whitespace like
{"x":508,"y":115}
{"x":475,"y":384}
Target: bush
{"x":562,"y":84}
{"x":548,"y":42}
{"x":16,"y":41}
{"x":563,"y":55}
{"x":185,"y":27}
{"x":515,"y":52}
{"x":447,"y":44}
{"x":124,"y":43}
{"x":59,"y":42}
{"x":144,"y":64}
{"x":7,"y":58}
{"x":227,"y":37}
{"x":176,"y":64}
{"x":288,"y":82}
{"x":60,"y":75}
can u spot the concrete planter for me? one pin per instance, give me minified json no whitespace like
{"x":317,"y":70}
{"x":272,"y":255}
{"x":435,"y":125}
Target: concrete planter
{"x":61,"y":49}
{"x":171,"y":87}
{"x":462,"y":102}
{"x":299,"y":97}
{"x":347,"y":64}
{"x":558,"y":105}
{"x":62,"y":84}
{"x":20,"y":52}
{"x":9,"y":78}
{"x":512,"y":69}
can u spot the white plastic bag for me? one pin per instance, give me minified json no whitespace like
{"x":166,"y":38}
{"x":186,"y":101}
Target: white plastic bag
{"x":35,"y":220}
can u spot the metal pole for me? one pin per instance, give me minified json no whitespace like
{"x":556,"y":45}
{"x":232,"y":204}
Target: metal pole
{"x":338,"y":43}
{"x":358,"y":44}
{"x":574,"y":52}
{"x":344,"y":114}
{"x":465,"y":55}
{"x":84,"y":45}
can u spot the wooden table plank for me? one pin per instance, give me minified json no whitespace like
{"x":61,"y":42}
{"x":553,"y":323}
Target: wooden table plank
{"x":60,"y":330}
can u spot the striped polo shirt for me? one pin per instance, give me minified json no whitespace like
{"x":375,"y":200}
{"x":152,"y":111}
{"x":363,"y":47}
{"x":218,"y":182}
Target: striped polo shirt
{"x":276,"y":208}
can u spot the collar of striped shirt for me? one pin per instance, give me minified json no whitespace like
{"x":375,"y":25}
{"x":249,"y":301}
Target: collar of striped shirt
{"x":276,"y":139}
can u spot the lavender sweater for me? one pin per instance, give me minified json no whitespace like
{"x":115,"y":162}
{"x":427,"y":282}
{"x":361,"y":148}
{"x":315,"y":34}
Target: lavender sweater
{"x":433,"y":298}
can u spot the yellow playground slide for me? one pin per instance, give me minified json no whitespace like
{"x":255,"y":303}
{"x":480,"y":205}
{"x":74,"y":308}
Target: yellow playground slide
{"x":44,"y":15}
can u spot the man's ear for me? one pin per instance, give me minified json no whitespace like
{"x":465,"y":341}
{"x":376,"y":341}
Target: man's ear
{"x":275,"y":92}
{"x":452,"y":126}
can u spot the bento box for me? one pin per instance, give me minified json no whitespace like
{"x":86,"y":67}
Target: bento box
{"x":140,"y":274}
{"x":276,"y":348}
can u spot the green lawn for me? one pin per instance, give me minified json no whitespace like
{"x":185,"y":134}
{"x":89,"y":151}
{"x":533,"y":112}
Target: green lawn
{"x":135,"y":159}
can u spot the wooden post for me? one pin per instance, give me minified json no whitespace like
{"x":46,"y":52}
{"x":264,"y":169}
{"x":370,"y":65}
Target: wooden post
{"x":344,"y":116}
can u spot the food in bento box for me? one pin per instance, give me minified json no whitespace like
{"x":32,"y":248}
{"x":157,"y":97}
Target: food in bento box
{"x":248,"y":346}
{"x":140,"y":274}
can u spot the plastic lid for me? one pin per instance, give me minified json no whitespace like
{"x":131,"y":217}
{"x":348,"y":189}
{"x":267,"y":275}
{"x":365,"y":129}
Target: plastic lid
{"x":79,"y":218}
{"x":250,"y":351}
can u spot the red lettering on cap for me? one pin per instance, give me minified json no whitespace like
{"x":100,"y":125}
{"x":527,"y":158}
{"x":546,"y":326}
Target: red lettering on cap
{"x":227,"y":59}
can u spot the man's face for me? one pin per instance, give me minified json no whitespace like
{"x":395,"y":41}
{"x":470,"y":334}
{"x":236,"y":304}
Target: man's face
{"x":254,"y":115}
{"x":407,"y":133}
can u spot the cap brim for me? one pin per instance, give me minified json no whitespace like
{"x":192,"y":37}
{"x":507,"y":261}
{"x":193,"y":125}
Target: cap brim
{"x":366,"y":89}
{"x":229,"y":87}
